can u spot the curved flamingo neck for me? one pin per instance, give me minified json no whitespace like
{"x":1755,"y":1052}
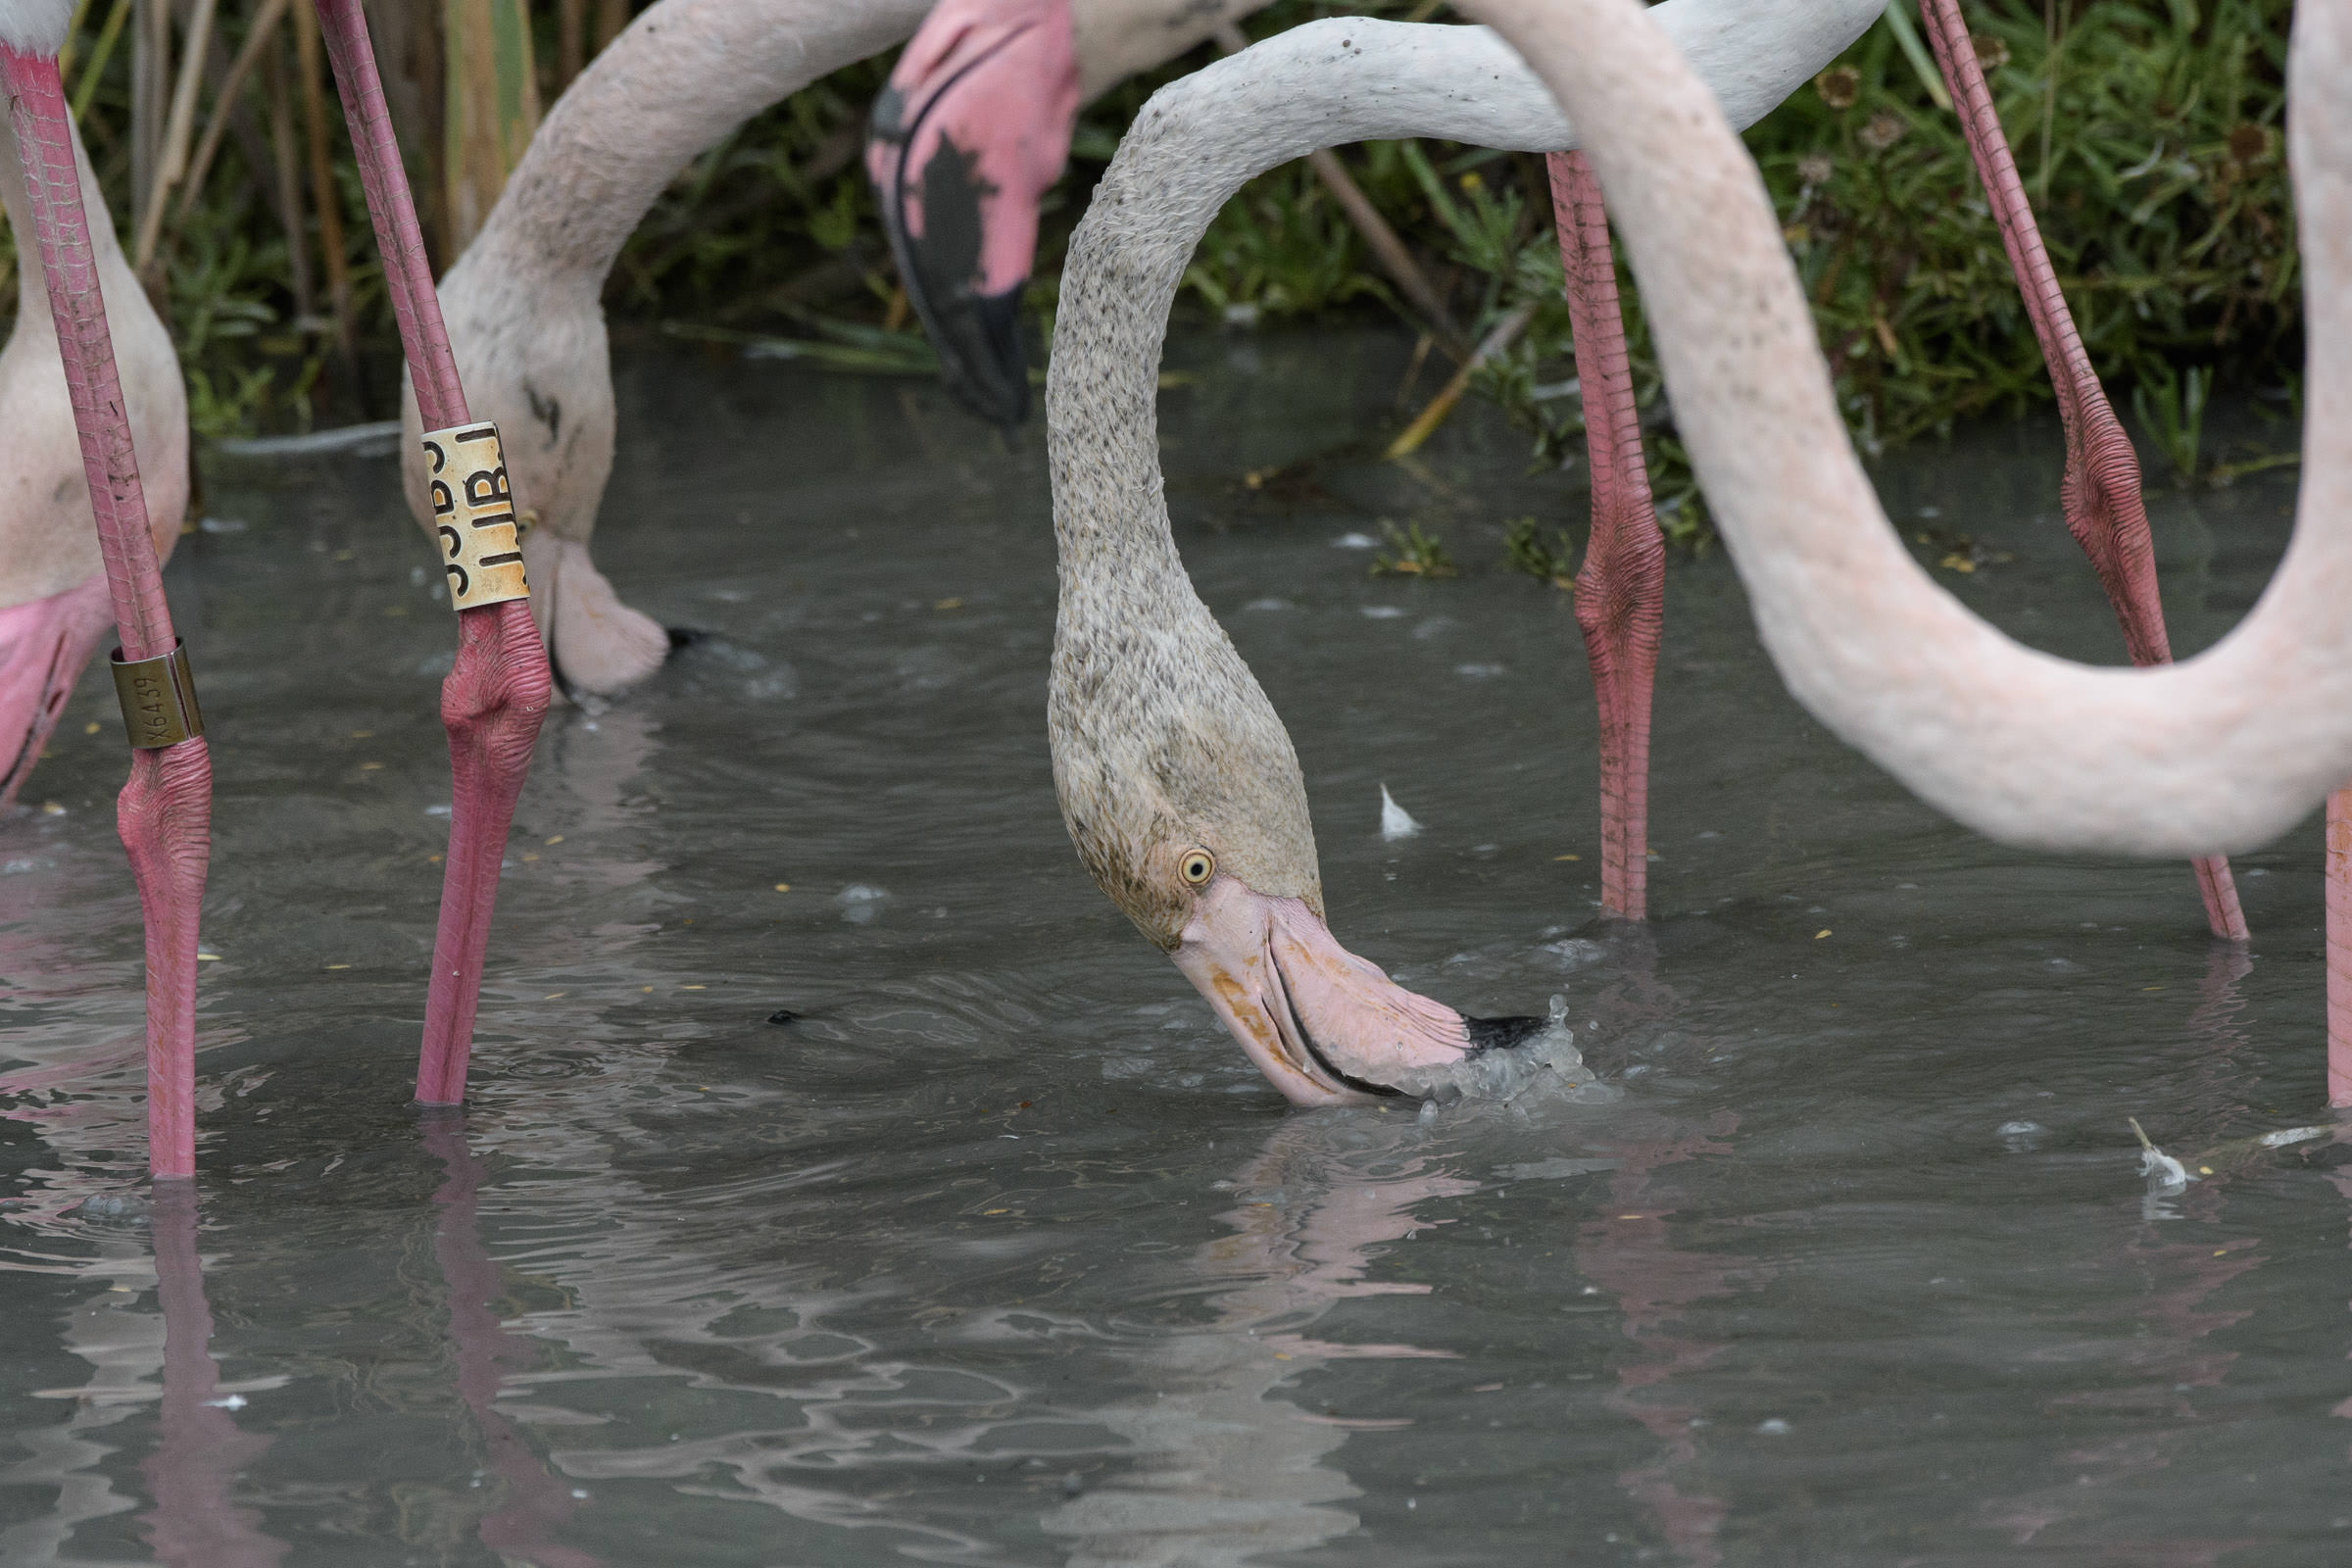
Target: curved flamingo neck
{"x":1318,"y":86}
{"x":2217,"y":754}
{"x":682,"y":76}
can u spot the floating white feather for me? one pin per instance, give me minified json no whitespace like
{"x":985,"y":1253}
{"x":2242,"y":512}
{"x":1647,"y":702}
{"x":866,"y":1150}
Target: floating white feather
{"x":1395,"y":822}
{"x":35,"y":26}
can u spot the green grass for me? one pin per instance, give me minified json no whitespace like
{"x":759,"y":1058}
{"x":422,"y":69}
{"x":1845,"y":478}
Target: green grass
{"x":2148,"y":132}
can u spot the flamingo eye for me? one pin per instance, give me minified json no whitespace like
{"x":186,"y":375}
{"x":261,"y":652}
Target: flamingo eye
{"x":1197,"y":866}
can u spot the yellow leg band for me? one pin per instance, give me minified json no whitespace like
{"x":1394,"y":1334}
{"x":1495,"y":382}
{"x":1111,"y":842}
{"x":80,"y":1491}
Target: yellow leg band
{"x":474,"y":515}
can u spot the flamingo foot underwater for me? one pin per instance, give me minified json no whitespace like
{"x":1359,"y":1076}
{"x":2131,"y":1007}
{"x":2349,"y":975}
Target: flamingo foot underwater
{"x":498,"y":690}
{"x":164,"y":813}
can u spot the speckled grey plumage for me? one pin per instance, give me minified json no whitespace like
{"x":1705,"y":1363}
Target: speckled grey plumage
{"x":1162,"y":739}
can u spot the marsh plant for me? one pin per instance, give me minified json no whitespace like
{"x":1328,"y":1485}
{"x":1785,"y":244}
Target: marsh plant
{"x":2149,"y":134}
{"x":1412,"y":553}
{"x":1550,"y":558}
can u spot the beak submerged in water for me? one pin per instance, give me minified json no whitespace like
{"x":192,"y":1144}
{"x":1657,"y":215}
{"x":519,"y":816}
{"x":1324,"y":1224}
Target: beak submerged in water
{"x":972,"y":128}
{"x":1323,"y":1025}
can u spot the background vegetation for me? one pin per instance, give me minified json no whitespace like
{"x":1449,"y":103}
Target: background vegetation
{"x":2148,"y":132}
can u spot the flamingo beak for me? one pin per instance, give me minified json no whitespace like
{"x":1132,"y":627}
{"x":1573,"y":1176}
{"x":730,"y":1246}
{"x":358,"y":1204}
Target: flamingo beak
{"x":45,"y":646}
{"x":1323,"y":1025}
{"x":972,"y":128}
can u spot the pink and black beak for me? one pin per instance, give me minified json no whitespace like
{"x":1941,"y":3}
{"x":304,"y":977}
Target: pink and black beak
{"x":1324,"y":1026}
{"x":971,"y":131}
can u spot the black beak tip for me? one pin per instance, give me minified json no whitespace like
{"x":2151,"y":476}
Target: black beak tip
{"x":978,"y":338}
{"x":1501,"y":1034}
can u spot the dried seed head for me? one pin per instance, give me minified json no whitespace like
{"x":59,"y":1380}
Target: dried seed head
{"x":1993,"y":52}
{"x":1815,"y":169}
{"x":2248,"y":142}
{"x":1884,"y":129}
{"x":1838,"y":86}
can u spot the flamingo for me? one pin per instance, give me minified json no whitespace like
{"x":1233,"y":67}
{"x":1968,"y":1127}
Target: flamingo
{"x":57,"y":607}
{"x":164,"y":813}
{"x":978,"y":106}
{"x":524,"y":302}
{"x":1176,"y":779}
{"x":528,"y":324}
{"x":497,"y":689}
{"x":2223,"y":752}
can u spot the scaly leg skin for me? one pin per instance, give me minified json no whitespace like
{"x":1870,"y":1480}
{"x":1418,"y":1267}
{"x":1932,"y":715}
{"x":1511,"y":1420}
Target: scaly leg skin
{"x":164,"y":811}
{"x":2100,"y":493}
{"x":2339,"y":947}
{"x":1621,"y":588}
{"x":491,"y":705}
{"x":498,"y":689}
{"x":165,"y":817}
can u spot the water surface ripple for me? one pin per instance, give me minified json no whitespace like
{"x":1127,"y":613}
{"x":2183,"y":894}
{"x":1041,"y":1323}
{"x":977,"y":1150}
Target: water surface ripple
{"x":998,"y":1253}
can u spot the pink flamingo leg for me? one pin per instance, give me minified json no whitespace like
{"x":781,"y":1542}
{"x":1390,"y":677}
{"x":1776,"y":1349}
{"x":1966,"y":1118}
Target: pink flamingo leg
{"x":164,"y":811}
{"x":1621,"y":588}
{"x":2339,"y":947}
{"x":497,"y":692}
{"x":2100,"y":493}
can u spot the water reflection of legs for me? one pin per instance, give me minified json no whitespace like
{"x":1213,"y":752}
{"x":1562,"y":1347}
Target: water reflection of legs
{"x":536,"y":1504}
{"x":2168,"y":1359}
{"x":1629,"y":1252}
{"x":1227,"y":1471}
{"x":125,"y":1349}
{"x":195,"y":1465}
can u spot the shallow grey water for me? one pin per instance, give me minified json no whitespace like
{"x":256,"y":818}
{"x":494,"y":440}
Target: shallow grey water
{"x":1001,"y":1252}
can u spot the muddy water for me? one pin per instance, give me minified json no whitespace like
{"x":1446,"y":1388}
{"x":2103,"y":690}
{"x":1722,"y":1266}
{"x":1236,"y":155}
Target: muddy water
{"x":999,"y":1251}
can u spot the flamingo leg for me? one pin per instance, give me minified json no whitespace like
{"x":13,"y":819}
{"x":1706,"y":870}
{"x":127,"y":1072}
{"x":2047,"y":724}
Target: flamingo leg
{"x":164,"y":813}
{"x":2339,"y":947}
{"x":2101,"y":492}
{"x":497,"y":692}
{"x":1621,"y":587}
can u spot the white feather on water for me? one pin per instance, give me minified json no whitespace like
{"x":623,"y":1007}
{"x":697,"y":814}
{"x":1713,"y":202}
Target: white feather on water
{"x":1395,"y":822}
